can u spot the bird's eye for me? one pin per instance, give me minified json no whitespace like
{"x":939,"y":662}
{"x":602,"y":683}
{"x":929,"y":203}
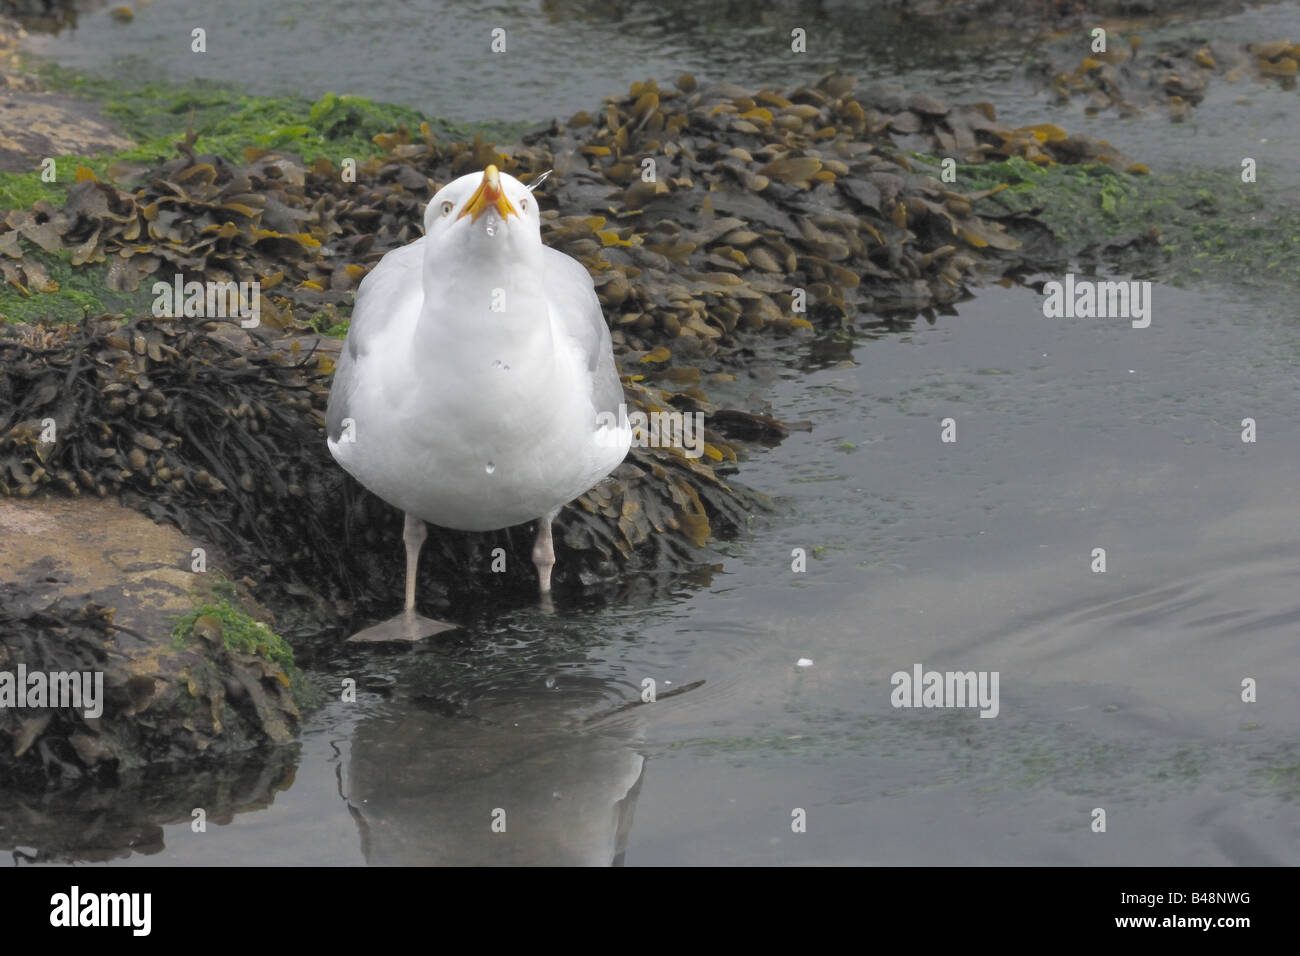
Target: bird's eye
{"x":447,"y":207}
{"x":523,"y":205}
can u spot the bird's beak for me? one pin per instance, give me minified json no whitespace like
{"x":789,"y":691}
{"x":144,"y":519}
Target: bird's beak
{"x":488,"y":195}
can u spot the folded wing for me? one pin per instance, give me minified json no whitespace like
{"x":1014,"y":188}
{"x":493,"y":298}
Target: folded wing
{"x":572,"y":298}
{"x":390,"y":293}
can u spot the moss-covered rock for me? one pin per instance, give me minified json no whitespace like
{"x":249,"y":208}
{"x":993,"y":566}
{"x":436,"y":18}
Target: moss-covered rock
{"x":91,"y":587}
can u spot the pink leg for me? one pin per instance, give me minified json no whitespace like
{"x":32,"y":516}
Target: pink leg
{"x":544,"y":551}
{"x":407,"y":626}
{"x":414,"y":534}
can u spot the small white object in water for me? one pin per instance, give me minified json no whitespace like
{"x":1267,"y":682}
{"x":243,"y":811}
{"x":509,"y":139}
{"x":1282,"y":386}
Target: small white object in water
{"x":803,"y":662}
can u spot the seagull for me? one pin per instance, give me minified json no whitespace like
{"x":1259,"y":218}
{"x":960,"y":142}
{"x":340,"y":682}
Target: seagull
{"x":477,"y":388}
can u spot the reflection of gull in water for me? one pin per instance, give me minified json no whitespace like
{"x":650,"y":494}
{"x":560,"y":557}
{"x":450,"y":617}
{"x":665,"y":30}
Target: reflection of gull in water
{"x":425,"y":789}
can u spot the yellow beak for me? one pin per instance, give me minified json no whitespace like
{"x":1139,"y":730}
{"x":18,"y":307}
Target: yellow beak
{"x":488,"y":195}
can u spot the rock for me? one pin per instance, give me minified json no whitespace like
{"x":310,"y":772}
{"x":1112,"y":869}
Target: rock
{"x":93,"y":587}
{"x":36,"y":124}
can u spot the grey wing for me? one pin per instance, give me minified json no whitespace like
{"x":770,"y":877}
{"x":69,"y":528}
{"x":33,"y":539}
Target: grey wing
{"x":569,"y":290}
{"x":390,"y":289}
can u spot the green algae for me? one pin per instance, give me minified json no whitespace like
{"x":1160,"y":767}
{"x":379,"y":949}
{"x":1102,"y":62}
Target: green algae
{"x":239,"y":632}
{"x":22,"y":190}
{"x":83,"y":290}
{"x":1012,"y":758}
{"x":1204,"y":224}
{"x":327,"y":323}
{"x":227,"y":120}
{"x":1282,"y":779}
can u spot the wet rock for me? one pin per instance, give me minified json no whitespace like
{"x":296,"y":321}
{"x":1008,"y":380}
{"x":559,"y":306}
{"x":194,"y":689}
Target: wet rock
{"x":1170,"y":76}
{"x":91,"y":587}
{"x":36,"y":124}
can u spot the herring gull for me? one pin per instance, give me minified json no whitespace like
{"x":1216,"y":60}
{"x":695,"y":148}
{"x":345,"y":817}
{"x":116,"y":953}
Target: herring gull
{"x":477,"y":387}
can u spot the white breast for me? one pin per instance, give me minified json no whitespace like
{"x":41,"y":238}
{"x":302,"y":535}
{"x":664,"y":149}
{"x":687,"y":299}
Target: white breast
{"x":470,"y":419}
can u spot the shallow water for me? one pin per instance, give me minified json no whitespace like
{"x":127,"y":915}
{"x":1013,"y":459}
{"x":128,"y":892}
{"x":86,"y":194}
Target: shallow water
{"x":1118,"y":690}
{"x":557,"y":54}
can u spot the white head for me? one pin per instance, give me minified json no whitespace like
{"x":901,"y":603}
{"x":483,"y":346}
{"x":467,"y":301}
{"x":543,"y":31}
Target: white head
{"x":487,"y":214}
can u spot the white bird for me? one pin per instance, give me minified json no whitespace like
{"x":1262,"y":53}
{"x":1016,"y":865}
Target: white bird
{"x":477,"y":387}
